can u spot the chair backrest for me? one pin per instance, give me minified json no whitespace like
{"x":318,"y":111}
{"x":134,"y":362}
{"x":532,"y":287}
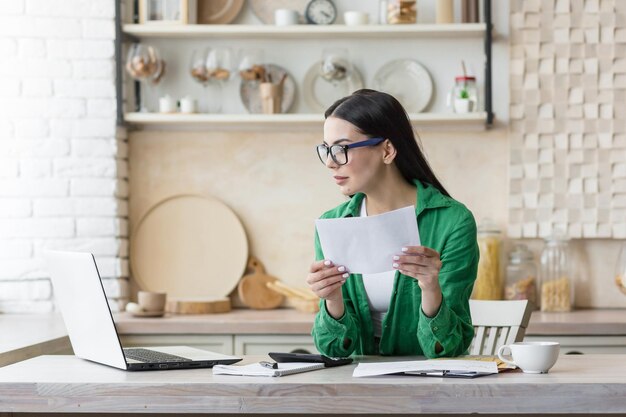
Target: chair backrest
{"x":498,"y":323}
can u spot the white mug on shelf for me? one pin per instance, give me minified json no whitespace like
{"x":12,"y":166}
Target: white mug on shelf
{"x":167,"y":104}
{"x":187,"y":105}
{"x":353,"y":18}
{"x":531,"y":357}
{"x":286,"y":17}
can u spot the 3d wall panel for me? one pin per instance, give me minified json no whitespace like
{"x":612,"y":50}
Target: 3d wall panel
{"x":568,"y":118}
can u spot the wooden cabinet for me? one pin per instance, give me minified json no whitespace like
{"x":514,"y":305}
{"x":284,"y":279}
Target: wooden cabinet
{"x":222,"y":343}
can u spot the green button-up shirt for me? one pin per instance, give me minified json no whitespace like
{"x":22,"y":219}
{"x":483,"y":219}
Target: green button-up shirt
{"x":446,"y":226}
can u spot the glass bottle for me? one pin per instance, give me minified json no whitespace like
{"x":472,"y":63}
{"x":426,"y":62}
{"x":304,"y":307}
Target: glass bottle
{"x":521,"y":275}
{"x":488,"y":285}
{"x":557,"y":288}
{"x":620,"y":270}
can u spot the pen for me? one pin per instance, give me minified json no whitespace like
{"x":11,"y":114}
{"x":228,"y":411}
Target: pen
{"x":271,"y":365}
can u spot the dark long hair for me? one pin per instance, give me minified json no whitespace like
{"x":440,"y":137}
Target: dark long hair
{"x":378,"y":114}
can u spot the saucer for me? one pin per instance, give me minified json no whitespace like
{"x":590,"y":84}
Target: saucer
{"x":149,"y":313}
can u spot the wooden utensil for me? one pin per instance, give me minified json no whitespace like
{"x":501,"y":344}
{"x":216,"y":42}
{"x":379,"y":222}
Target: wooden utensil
{"x":199,"y":306}
{"x":253,"y":290}
{"x":301,"y":300}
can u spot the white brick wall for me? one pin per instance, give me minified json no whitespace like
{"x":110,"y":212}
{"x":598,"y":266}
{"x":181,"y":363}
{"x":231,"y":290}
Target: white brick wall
{"x":63,"y":166}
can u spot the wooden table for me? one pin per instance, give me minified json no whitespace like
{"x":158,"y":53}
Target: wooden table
{"x":588,"y":384}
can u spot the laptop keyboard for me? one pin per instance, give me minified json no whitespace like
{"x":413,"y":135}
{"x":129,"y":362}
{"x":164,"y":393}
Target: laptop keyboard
{"x":152,"y":356}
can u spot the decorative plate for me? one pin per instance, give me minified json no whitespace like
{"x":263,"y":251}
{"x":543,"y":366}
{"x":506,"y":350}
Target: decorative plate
{"x":251,"y":98}
{"x":319,"y":93}
{"x":264,"y":9}
{"x":406,"y":80}
{"x":218,"y":11}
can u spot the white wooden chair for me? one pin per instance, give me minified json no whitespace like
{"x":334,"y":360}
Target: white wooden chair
{"x":498,"y":323}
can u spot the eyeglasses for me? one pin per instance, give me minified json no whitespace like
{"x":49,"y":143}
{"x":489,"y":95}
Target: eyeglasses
{"x":339,"y":153}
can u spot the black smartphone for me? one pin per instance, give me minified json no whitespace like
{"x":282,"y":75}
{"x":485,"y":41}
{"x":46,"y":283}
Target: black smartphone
{"x":309,"y":357}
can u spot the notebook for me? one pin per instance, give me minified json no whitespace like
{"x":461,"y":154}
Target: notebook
{"x":255,"y":369}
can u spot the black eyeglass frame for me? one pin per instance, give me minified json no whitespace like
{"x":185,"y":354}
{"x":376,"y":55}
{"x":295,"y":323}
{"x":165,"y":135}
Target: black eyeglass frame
{"x":367,"y":142}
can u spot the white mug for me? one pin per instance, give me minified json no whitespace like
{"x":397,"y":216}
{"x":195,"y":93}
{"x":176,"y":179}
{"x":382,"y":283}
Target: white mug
{"x":353,"y":18}
{"x":531,"y":357}
{"x":286,"y":17}
{"x":167,"y":104}
{"x":187,"y":105}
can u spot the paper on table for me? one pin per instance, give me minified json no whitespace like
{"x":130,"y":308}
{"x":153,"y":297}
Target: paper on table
{"x":255,"y":369}
{"x":460,"y":366}
{"x":366,"y":245}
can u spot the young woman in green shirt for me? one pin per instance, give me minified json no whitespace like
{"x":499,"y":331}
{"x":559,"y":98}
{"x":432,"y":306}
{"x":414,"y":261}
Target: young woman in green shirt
{"x":421,"y":307}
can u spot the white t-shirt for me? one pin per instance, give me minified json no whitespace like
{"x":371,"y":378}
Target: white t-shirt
{"x":378,"y":288}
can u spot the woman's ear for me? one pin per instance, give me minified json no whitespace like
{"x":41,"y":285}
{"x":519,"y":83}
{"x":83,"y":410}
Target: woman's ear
{"x":389,"y":152}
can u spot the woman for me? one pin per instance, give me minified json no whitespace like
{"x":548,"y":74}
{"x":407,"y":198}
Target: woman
{"x":421,"y":307}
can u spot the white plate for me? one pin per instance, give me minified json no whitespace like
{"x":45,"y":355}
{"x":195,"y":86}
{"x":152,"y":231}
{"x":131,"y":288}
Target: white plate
{"x":251,"y":98}
{"x":319,"y":94}
{"x":408,"y":81}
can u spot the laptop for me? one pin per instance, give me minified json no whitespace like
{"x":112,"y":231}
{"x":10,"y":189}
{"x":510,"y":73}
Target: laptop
{"x":81,"y":298}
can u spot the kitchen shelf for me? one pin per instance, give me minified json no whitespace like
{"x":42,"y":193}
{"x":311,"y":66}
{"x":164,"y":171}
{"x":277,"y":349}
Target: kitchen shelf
{"x":252,"y":121}
{"x":454,"y":30}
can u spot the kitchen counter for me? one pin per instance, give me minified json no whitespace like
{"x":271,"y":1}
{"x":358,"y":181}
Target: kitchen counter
{"x":287,"y":321}
{"x":65,"y":384}
{"x":25,"y":336}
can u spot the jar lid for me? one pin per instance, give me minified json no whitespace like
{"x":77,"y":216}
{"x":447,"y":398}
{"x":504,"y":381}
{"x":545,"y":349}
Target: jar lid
{"x":520,"y":253}
{"x":464,"y":78}
{"x":487,"y":225}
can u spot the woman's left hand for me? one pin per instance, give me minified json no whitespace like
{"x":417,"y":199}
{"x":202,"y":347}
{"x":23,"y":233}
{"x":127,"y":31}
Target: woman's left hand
{"x":421,"y":263}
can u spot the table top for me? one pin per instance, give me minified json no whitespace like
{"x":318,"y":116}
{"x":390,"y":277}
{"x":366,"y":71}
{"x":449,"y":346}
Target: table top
{"x":609,"y":322}
{"x":66,"y":383}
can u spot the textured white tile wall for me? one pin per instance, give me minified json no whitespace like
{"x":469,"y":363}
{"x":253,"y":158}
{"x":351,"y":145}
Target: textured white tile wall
{"x":568,"y":119}
{"x":63,"y":162}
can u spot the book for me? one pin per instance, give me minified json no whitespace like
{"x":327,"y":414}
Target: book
{"x":255,"y":369}
{"x":433,"y":367}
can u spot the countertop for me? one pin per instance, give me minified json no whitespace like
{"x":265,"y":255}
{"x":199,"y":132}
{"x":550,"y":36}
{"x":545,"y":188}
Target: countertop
{"x":596,"y":322}
{"x":64,"y":384}
{"x":27,"y":335}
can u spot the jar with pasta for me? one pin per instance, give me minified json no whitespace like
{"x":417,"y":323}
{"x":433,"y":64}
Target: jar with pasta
{"x":401,"y":11}
{"x":521,"y":275}
{"x":488,"y":285}
{"x":557,"y":288}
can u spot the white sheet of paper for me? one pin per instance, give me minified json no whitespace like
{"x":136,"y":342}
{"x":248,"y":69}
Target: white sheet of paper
{"x":366,"y":245}
{"x":385,"y":368}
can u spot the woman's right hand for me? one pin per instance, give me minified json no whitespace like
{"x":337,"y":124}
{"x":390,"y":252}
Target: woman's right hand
{"x":325,"y":280}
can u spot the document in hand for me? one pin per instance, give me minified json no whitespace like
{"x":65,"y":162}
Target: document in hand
{"x":366,"y":245}
{"x":437,"y":367}
{"x":255,"y":369}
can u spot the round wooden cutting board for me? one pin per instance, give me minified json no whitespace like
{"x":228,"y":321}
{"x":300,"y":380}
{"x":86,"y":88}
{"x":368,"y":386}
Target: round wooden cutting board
{"x":189,"y":246}
{"x":253,"y":290}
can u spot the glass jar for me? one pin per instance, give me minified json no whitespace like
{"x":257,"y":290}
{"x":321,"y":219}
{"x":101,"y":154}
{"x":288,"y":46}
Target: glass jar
{"x":521,"y":275}
{"x":557,"y":288}
{"x":401,"y":11}
{"x":463,"y":97}
{"x":488,"y":285}
{"x":620,"y":270}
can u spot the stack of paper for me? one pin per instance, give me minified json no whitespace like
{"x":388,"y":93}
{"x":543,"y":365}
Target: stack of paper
{"x":255,"y":369}
{"x":434,"y":367}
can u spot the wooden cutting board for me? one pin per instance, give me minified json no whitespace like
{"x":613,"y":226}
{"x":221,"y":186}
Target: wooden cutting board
{"x":189,"y":246}
{"x":253,"y":290}
{"x":191,"y":306}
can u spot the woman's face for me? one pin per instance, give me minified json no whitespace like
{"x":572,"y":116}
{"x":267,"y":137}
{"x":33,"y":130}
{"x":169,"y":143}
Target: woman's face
{"x":364,"y":163}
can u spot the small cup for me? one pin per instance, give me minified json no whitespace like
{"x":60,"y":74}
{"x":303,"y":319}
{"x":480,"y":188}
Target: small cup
{"x":151,"y":301}
{"x":286,"y":17}
{"x":353,"y":18}
{"x":531,"y":357}
{"x":187,"y":105}
{"x":271,"y":97}
{"x":167,"y":104}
